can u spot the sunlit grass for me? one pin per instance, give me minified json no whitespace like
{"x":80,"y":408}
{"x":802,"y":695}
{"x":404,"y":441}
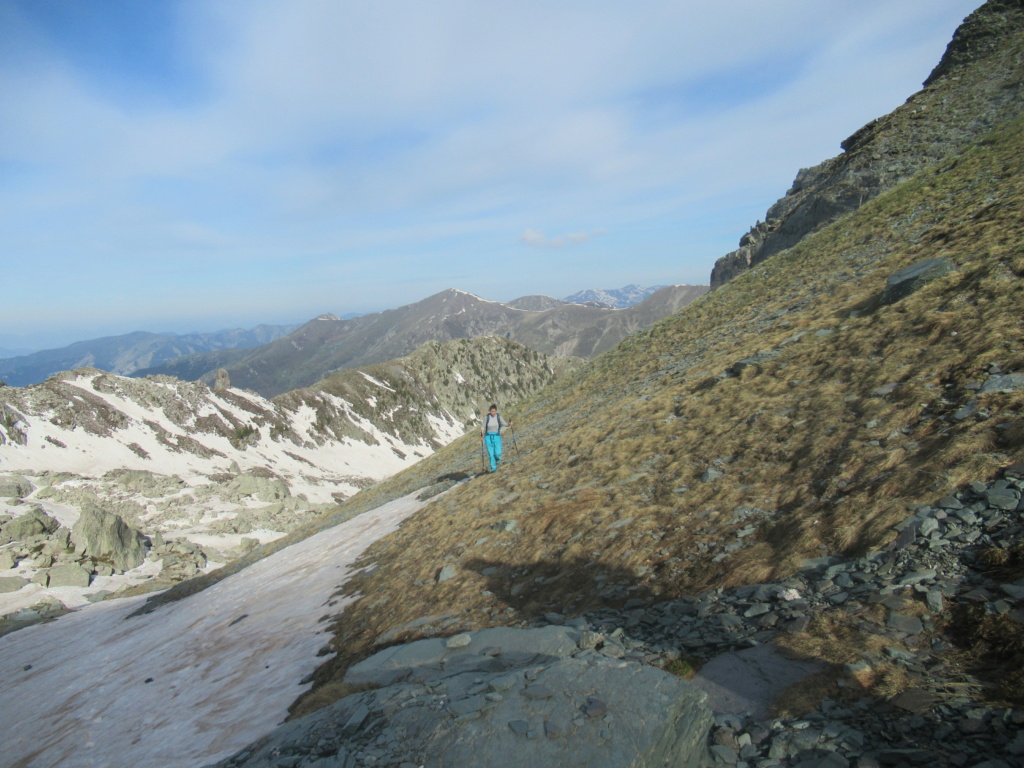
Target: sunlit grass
{"x":635,"y":472}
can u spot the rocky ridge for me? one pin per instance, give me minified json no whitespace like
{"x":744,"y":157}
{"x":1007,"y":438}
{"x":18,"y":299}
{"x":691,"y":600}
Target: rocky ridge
{"x":325,"y":345}
{"x":208,"y":475}
{"x":620,"y":298}
{"x":976,"y":86}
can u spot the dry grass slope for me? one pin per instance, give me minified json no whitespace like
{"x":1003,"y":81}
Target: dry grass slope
{"x":821,"y":444}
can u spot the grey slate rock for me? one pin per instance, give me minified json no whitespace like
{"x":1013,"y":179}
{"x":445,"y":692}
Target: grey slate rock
{"x":901,"y":622}
{"x":750,"y":680}
{"x":1008,"y":383}
{"x":1006,"y":498}
{"x":643,"y":717}
{"x":913,"y":278}
{"x":711,"y":474}
{"x":427,"y":659}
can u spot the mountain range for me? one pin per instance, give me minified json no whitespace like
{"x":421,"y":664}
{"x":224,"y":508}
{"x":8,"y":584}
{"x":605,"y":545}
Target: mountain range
{"x":79,"y":434}
{"x":127,"y":353}
{"x":328,"y":343}
{"x":619,"y":298}
{"x":153,"y":353}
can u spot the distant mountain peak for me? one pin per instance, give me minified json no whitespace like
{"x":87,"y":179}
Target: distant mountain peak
{"x":328,"y":316}
{"x":619,"y":298}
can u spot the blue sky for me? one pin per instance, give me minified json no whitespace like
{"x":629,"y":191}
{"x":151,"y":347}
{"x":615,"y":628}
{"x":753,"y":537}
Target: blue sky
{"x":194,"y":165}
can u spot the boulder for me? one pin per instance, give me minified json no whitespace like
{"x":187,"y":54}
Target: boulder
{"x":7,"y":560}
{"x":914,"y":277}
{"x":263,"y":488}
{"x":14,"y":487}
{"x":510,"y":697}
{"x":34,"y":523}
{"x":70,"y":575}
{"x":11,"y":583}
{"x":104,"y":535}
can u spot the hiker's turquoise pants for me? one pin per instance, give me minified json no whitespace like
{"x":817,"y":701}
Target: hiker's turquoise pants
{"x":493,"y":443}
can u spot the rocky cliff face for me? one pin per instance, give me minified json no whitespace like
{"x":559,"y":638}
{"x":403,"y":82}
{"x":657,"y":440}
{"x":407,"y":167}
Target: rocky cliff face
{"x":976,"y":86}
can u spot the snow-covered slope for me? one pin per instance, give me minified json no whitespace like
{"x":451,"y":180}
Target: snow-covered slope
{"x":189,"y":683}
{"x":208,"y":474}
{"x":620,"y":298}
{"x":87,"y":422}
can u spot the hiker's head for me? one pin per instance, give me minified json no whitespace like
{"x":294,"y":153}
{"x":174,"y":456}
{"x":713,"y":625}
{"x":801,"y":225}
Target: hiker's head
{"x":493,"y":409}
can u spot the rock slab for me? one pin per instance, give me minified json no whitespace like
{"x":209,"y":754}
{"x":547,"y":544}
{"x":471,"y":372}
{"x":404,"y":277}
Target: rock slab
{"x":511,"y":697}
{"x":749,"y":681}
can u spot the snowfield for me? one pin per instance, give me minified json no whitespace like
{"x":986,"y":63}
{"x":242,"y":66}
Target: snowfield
{"x":190,"y":683}
{"x":149,"y":438}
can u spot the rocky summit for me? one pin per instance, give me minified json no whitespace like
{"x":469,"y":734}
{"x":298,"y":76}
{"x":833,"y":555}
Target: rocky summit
{"x":975,"y":86}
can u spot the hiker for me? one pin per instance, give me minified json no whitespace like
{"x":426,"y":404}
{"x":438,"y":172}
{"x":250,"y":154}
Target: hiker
{"x":490,"y":433}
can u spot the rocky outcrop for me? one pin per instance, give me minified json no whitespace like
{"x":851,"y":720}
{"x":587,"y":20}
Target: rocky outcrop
{"x":105,"y":536}
{"x":34,"y":523}
{"x":974,"y":88}
{"x":223,"y":380}
{"x":501,"y":698}
{"x":908,"y":280}
{"x":14,"y":487}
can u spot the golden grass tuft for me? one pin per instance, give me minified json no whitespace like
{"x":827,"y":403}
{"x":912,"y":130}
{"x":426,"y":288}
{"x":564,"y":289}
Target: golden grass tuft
{"x":889,"y":680}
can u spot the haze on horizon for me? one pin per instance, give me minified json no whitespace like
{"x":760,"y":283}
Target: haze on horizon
{"x":193,"y":165}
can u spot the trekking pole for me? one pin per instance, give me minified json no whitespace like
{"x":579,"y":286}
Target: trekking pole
{"x":483,"y":456}
{"x":514,"y":443}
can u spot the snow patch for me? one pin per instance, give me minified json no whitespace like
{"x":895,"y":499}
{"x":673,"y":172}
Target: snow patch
{"x":190,"y":683}
{"x":372,"y":380}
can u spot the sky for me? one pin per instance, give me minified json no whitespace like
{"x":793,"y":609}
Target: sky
{"x":194,"y":165}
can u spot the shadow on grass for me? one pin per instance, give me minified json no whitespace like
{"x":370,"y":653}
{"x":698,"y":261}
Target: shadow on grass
{"x":566,"y":586}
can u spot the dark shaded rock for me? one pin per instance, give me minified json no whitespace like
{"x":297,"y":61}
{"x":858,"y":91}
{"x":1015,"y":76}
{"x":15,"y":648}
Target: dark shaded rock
{"x":914,"y":277}
{"x":750,"y":680}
